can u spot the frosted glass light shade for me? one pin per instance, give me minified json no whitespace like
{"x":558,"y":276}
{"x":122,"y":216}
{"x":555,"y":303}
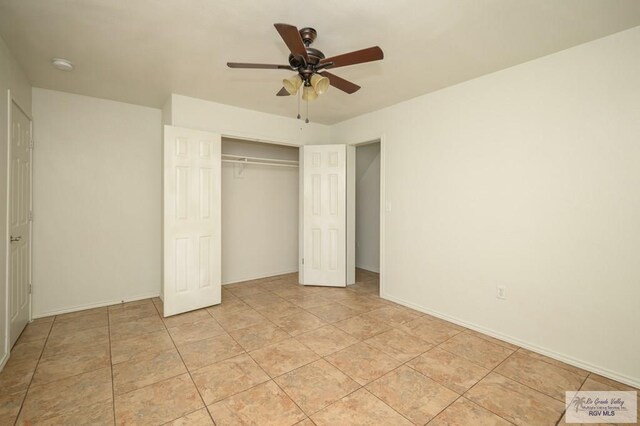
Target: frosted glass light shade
{"x":292,"y":84}
{"x":308,"y":93}
{"x":320,"y":83}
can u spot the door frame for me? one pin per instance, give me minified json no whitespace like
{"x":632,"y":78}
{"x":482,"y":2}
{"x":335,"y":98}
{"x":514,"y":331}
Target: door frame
{"x":10,"y":102}
{"x":383,"y":204}
{"x":234,"y":135}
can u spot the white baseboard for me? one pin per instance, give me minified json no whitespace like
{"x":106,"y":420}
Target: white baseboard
{"x":369,"y":268}
{"x":260,"y":276}
{"x":93,"y":305}
{"x":631,"y":381}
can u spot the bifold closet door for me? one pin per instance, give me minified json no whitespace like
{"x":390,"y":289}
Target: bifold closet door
{"x":192,"y":220}
{"x":325,"y":216}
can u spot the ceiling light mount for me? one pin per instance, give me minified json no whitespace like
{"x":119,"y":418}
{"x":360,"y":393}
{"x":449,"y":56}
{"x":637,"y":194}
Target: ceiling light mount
{"x":308,"y":35}
{"x":62,"y":64}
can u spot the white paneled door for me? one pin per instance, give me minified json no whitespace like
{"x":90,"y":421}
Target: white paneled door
{"x":192,"y":224}
{"x":324,"y":233}
{"x":19,"y":221}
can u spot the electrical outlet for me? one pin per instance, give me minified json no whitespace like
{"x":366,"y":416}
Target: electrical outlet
{"x":501,"y":292}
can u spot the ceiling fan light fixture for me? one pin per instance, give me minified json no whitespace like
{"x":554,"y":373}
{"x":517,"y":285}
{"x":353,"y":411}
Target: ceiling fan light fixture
{"x":309,"y":94}
{"x":320,"y":83}
{"x":292,"y":84}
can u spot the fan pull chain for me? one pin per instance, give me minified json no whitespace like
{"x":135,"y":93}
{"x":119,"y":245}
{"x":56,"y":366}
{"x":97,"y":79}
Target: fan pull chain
{"x":299,"y":96}
{"x":307,"y":119}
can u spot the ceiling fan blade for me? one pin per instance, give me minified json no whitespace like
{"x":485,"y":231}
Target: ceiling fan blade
{"x":357,"y":57}
{"x":258,"y":66}
{"x":283,"y":92}
{"x":340,"y":83}
{"x":293,"y":40}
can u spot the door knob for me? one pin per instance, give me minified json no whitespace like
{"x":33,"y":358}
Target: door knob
{"x":15,"y":239}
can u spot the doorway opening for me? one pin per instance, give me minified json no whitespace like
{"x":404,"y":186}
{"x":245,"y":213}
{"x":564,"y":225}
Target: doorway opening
{"x":367,"y":211}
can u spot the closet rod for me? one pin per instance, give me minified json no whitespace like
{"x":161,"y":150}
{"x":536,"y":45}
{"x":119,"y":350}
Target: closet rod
{"x":271,"y":160}
{"x":259,"y":162}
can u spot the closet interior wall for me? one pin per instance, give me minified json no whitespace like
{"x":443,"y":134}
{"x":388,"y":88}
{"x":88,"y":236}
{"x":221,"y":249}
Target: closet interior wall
{"x":259,"y":212}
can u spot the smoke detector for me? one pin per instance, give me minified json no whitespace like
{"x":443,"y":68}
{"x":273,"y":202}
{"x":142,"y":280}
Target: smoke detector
{"x":62,"y":64}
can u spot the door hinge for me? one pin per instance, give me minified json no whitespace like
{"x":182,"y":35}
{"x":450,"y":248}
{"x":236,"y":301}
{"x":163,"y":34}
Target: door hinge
{"x":31,"y":143}
{"x":30,"y":217}
{"x":303,"y":260}
{"x":30,"y":288}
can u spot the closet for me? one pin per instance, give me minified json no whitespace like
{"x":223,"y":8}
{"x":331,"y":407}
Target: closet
{"x":260,"y":187}
{"x":237,"y":210}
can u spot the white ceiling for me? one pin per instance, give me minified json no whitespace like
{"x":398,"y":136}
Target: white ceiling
{"x":140,"y":51}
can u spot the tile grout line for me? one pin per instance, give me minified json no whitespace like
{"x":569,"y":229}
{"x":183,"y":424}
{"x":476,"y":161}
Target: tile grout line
{"x":358,"y":296}
{"x":162,"y":351}
{"x":526,"y":385}
{"x":564,"y":412}
{"x":371,"y":381}
{"x":419,"y":372}
{"x":360,"y":385}
{"x":496,"y":372}
{"x":26,"y":393}
{"x":64,"y":353}
{"x":271,"y":379}
{"x":359,"y":314}
{"x":380,"y":399}
{"x":184,"y":365}
{"x":517,"y":349}
{"x":467,"y":359}
{"x":406,"y":364}
{"x":483,"y":377}
{"x":113,"y":391}
{"x":445,"y":408}
{"x":289,"y":396}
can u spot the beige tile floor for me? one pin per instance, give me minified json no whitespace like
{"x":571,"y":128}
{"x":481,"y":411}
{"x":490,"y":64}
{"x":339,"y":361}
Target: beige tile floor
{"x":276,"y":353}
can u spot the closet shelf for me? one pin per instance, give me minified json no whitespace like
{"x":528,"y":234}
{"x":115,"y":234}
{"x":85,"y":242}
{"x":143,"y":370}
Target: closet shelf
{"x":240,"y":159}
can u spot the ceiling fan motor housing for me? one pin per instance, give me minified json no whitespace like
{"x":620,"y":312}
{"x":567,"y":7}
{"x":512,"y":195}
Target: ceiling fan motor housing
{"x":306,"y":69}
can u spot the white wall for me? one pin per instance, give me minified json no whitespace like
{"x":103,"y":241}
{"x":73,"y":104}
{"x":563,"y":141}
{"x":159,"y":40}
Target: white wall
{"x":11,"y":78}
{"x":527,"y":178}
{"x":368,"y":207}
{"x":259,"y":214}
{"x":243,"y":123}
{"x":97,"y":189}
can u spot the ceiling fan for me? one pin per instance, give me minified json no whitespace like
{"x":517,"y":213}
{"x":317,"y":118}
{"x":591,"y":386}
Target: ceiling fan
{"x":311,"y":64}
